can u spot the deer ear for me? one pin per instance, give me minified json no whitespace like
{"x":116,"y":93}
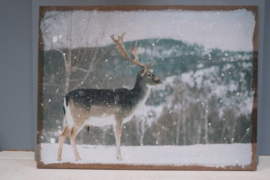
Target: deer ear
{"x":142,"y":72}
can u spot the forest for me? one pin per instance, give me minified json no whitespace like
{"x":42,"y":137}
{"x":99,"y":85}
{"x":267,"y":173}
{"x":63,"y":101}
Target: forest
{"x":206,"y":96}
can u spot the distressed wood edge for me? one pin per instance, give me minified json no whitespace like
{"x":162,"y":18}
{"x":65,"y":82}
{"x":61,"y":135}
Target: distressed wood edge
{"x":254,"y":113}
{"x":151,"y":7}
{"x":253,"y":9}
{"x":41,"y":165}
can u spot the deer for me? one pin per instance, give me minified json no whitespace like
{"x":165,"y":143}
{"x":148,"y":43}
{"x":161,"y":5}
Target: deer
{"x":100,"y":107}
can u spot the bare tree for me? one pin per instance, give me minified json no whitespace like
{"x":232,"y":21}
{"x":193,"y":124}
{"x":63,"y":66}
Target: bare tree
{"x":141,"y":128}
{"x":73,"y":58}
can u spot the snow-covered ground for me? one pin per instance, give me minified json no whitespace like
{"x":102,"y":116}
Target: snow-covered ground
{"x":212,"y":155}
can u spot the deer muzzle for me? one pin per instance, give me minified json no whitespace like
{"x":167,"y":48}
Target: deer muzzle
{"x":158,"y":82}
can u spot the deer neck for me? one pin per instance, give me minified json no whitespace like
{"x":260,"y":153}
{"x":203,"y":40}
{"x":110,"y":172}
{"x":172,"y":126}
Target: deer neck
{"x":139,"y":93}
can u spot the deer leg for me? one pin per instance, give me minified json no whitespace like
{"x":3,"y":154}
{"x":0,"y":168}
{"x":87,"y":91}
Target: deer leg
{"x":117,"y":130}
{"x":62,"y":138}
{"x":72,"y":136}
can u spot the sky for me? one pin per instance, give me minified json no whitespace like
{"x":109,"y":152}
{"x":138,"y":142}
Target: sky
{"x":225,"y":30}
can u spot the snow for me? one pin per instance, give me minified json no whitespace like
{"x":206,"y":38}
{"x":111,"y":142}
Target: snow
{"x":211,"y":155}
{"x":207,"y":77}
{"x":146,"y":110}
{"x":54,"y":39}
{"x":202,"y":27}
{"x":52,"y":140}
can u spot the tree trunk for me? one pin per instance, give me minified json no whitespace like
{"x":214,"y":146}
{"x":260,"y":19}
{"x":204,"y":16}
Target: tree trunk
{"x":68,"y":65}
{"x":142,"y":132}
{"x":206,"y":125}
{"x":199,"y":133}
{"x":177,"y":130}
{"x":103,"y":135}
{"x":184,"y":127}
{"x":68,"y":72}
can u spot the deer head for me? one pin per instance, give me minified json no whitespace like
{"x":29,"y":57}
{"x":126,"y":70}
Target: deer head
{"x":145,"y":75}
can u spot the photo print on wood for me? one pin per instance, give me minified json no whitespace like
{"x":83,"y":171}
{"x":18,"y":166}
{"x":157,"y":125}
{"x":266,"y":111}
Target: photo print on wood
{"x":148,"y":87}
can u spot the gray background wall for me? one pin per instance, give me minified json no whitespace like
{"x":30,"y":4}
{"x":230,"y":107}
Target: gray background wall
{"x":18,"y":68}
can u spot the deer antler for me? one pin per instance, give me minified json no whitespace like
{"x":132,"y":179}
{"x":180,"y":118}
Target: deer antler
{"x":122,"y":51}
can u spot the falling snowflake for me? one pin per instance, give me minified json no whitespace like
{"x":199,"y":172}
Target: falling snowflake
{"x":52,"y":140}
{"x":54,"y":39}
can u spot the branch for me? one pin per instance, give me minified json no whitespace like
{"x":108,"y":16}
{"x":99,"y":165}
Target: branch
{"x":244,"y":136}
{"x":83,"y":55}
{"x":138,"y":129}
{"x":89,"y":70}
{"x":78,"y":56}
{"x":49,"y":77}
{"x":75,"y":80}
{"x":52,"y":84}
{"x":84,"y":70}
{"x":63,"y":54}
{"x":53,"y":16}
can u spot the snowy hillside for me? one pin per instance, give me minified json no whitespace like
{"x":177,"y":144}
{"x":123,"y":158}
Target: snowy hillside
{"x":215,"y":155}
